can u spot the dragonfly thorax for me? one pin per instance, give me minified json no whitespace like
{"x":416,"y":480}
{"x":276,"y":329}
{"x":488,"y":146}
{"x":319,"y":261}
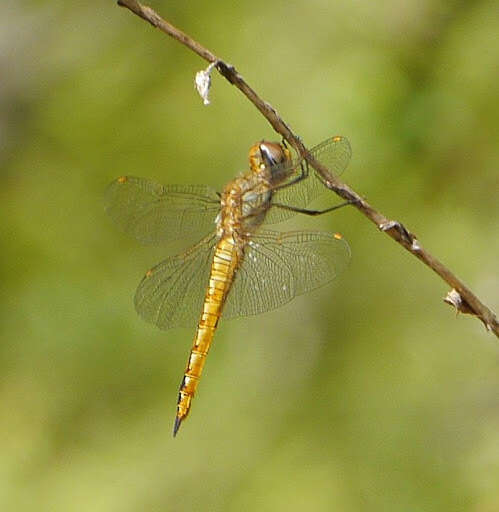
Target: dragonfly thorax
{"x":243,"y":201}
{"x":246,"y":200}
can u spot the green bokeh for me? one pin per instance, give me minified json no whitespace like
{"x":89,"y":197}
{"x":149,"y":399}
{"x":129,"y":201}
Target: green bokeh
{"x":365,"y":395}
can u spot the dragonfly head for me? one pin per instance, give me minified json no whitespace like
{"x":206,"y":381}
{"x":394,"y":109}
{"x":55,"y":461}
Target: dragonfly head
{"x":269,"y":159}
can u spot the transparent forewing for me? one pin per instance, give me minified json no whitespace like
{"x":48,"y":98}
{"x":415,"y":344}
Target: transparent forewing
{"x":153,"y":213}
{"x":278,"y":266}
{"x":171,"y":294}
{"x":334,"y":153}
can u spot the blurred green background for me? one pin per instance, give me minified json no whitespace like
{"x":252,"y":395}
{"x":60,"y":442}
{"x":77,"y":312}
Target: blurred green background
{"x":365,"y":395}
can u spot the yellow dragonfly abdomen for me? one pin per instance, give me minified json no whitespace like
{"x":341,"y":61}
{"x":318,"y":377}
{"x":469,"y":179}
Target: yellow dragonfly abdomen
{"x":225,"y":261}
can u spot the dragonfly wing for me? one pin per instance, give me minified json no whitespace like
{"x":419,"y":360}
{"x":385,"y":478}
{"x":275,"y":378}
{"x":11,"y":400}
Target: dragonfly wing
{"x":335,"y":154}
{"x":171,"y":294}
{"x":153,"y":213}
{"x":278,"y":266}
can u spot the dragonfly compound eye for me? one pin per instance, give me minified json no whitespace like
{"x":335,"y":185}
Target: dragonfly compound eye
{"x":272,"y":153}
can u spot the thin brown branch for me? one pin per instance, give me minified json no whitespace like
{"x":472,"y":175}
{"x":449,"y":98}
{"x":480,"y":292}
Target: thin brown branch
{"x":468,"y":301}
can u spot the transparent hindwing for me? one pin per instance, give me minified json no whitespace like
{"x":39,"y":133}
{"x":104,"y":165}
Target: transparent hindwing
{"x":275,"y":268}
{"x":279,"y":266}
{"x":171,"y":293}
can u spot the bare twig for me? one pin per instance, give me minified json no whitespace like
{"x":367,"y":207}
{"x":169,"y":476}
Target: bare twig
{"x":468,"y":300}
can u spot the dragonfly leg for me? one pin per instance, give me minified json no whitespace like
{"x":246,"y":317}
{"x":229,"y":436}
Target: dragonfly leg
{"x":313,"y":212}
{"x":300,"y":177}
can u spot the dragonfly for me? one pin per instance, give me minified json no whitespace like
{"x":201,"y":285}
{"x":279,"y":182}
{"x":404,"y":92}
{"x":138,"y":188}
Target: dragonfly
{"x":238,"y":267}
